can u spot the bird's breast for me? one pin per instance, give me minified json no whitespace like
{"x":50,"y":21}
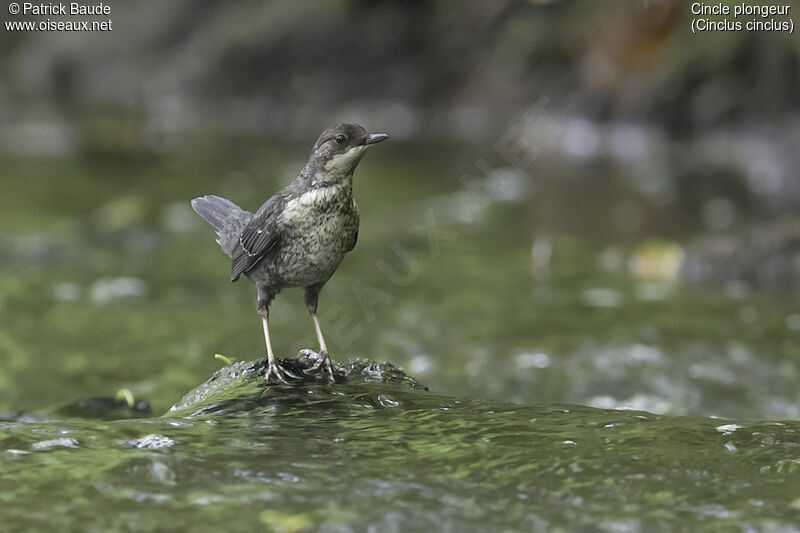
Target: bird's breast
{"x":319,"y":227}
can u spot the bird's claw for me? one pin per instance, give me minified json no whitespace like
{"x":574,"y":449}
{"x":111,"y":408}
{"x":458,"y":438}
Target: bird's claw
{"x":322,"y":359}
{"x":279,"y":373}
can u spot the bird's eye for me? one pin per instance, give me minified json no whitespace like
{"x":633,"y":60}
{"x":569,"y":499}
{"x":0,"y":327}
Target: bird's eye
{"x":340,"y":139}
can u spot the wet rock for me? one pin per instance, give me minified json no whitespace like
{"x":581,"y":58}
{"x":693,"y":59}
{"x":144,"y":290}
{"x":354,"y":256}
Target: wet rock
{"x":105,"y":408}
{"x":241,"y":386}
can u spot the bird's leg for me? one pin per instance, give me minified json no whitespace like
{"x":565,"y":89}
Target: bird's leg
{"x":273,"y":368}
{"x":312,"y":296}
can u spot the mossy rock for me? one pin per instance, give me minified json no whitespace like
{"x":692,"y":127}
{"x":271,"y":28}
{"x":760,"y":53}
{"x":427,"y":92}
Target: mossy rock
{"x":241,"y":386}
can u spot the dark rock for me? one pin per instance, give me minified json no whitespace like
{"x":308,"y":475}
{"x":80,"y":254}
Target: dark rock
{"x":105,"y":408}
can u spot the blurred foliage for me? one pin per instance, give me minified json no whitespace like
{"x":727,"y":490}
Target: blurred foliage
{"x":427,"y":68}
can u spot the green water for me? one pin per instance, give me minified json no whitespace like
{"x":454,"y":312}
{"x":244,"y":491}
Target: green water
{"x":347,"y":459}
{"x":109,"y":281}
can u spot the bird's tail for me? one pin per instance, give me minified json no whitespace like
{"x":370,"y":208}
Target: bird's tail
{"x":227,"y":218}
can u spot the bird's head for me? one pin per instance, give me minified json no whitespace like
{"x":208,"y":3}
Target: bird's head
{"x":339,"y":149}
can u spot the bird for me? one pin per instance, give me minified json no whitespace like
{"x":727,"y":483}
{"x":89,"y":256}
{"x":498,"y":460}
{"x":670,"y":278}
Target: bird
{"x":299,"y":236}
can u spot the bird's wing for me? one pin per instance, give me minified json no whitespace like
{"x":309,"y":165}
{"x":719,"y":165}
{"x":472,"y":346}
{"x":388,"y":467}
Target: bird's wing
{"x":355,"y":240}
{"x":260,"y":236}
{"x":355,"y":237}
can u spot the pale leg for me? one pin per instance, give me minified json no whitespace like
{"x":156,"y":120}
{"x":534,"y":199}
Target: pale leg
{"x":273,"y":369}
{"x":312,"y":296}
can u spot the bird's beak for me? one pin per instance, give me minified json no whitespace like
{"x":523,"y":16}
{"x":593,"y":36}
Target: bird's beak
{"x":373,"y":138}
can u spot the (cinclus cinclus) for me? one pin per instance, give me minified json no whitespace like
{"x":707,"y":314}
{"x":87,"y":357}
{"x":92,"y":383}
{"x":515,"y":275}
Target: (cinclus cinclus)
{"x":300,"y":235}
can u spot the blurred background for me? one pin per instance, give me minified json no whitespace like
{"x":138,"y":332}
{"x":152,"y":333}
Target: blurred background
{"x":580,"y":202}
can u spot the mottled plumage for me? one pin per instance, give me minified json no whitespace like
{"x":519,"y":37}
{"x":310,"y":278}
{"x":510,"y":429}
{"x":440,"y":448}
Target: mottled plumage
{"x":299,"y":236}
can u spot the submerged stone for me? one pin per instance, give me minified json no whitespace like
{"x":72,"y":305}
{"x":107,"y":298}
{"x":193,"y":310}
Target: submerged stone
{"x":105,"y":408}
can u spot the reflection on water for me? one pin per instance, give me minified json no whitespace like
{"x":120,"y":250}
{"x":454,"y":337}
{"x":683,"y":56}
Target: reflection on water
{"x":534,"y":290}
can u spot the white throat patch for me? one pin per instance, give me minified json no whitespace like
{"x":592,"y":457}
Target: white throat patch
{"x":298,"y":208}
{"x":344,"y":162}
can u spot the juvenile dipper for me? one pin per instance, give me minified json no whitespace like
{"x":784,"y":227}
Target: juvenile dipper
{"x":300,"y":235}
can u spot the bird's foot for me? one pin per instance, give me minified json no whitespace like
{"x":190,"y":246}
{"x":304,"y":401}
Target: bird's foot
{"x":278,"y":372}
{"x":323,"y":359}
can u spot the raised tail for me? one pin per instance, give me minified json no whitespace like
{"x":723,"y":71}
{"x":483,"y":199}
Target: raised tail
{"x":227,"y":218}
